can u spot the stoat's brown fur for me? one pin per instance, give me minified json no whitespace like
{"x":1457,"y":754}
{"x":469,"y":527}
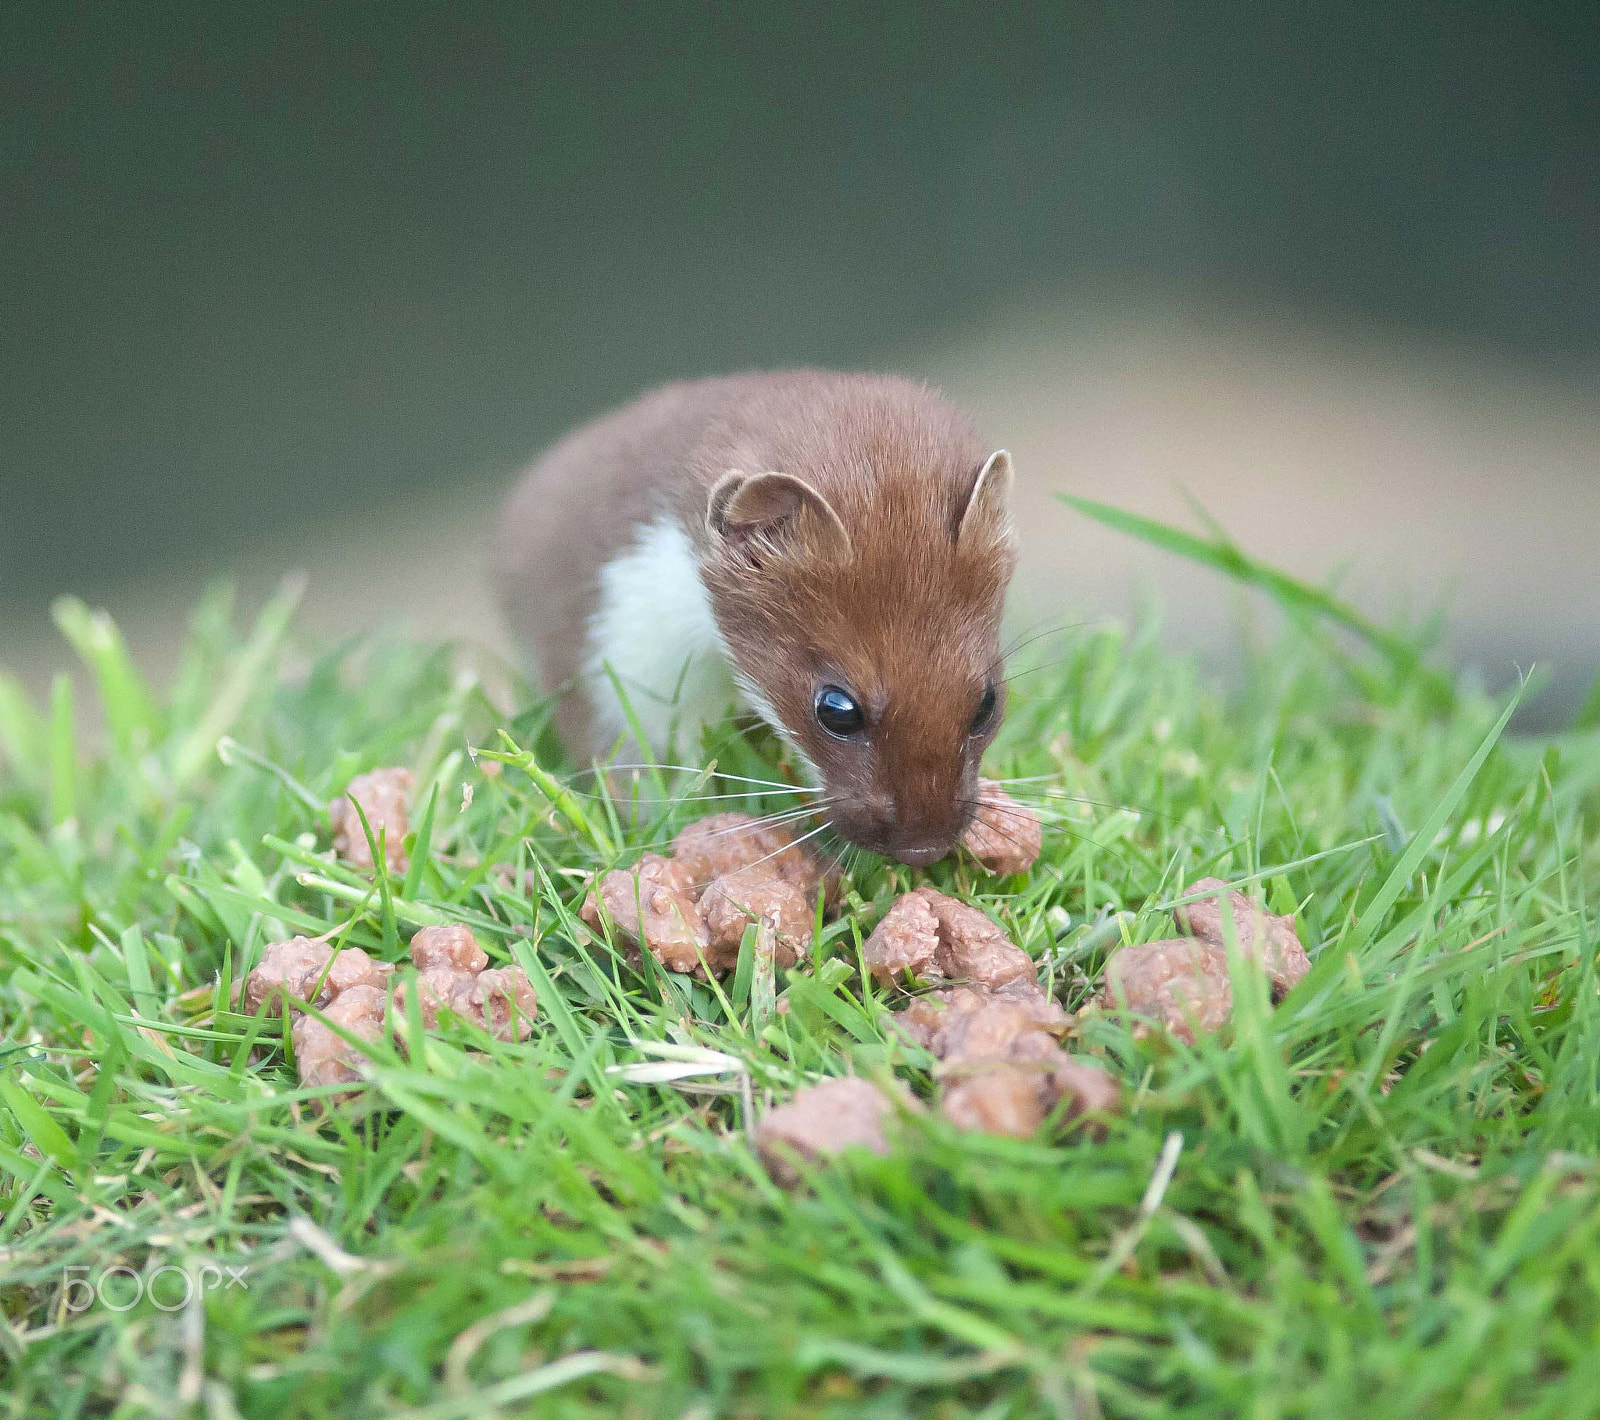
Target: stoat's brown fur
{"x":845,"y":530}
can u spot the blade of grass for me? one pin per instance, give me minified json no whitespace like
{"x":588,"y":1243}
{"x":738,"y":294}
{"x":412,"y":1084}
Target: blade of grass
{"x":130,"y":712}
{"x":1225,"y":556}
{"x":566,"y":804}
{"x":1422,"y":840}
{"x":248,"y":670}
{"x":23,"y":740}
{"x":48,"y":1136}
{"x":421,"y":847}
{"x":63,"y":751}
{"x":140,"y":985}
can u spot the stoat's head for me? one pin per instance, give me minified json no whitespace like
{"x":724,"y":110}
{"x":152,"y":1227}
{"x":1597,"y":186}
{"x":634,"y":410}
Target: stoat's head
{"x":860,"y":601}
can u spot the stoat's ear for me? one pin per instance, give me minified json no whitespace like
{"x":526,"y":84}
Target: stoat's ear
{"x":776,"y":509}
{"x":987,"y":515}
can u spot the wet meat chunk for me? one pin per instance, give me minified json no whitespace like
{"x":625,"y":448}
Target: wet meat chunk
{"x":453,"y":974}
{"x":821,"y":1121}
{"x":971,"y":946}
{"x":382,"y":794}
{"x":299,"y":967}
{"x":322,"y":1056}
{"x":438,"y":989}
{"x":905,"y":940}
{"x":451,"y":947}
{"x":650,"y":905}
{"x":1014,"y":1095}
{"x":996,"y":1097}
{"x":720,"y":844}
{"x":1262,"y":936}
{"x":1180,"y":986}
{"x":723,"y":843}
{"x":976,"y":1022}
{"x":747,"y":895}
{"x":1001,"y":1069}
{"x":352,"y":990}
{"x":928,"y":934}
{"x":1003,"y":836}
{"x":502,"y":1001}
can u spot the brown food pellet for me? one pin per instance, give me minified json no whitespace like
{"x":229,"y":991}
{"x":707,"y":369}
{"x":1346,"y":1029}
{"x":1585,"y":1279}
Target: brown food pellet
{"x":1015,"y":1095}
{"x":933,"y":935}
{"x":286,"y":969}
{"x":919,"y":1022}
{"x":999,"y":1098}
{"x":1181,"y":985}
{"x":503,"y":1002}
{"x":1001,"y":1069}
{"x":353,"y":967}
{"x":324,"y":1058}
{"x":649,"y":904}
{"x":451,"y":946}
{"x":294,"y":968}
{"x":1262,"y":936}
{"x":971,"y":946}
{"x":691,"y":909}
{"x":439,"y":988}
{"x":748,"y":895}
{"x":1091,"y":1089}
{"x":720,"y":844}
{"x":453,"y":974}
{"x":821,"y":1121}
{"x":382,"y":795}
{"x":905,"y":940}
{"x":978,"y":1023}
{"x":1003,"y":836}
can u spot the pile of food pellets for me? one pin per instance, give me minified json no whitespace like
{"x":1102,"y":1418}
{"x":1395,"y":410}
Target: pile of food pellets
{"x":995,"y":1037}
{"x":352,"y":991}
{"x":691,"y":908}
{"x":972,"y":1000}
{"x":1182,"y":985}
{"x":355,"y":997}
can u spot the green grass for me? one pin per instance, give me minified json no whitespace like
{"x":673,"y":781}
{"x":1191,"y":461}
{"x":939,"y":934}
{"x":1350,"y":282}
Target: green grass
{"x":1384,"y":1195}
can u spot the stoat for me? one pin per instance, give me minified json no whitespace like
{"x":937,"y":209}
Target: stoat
{"x":830,"y":550}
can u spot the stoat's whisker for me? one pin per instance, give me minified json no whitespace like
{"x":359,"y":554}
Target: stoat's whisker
{"x":770,"y":821}
{"x":1035,"y":799}
{"x":837,"y":865}
{"x":1071,"y":828}
{"x":820,"y":828}
{"x":1026,"y":640}
{"x":622,"y":798}
{"x":1033,"y":811}
{"x":1015,"y":842}
{"x":1012,"y":784}
{"x":1043,"y":864}
{"x":1033,"y":670}
{"x":776,"y":820}
{"x":704,"y":771}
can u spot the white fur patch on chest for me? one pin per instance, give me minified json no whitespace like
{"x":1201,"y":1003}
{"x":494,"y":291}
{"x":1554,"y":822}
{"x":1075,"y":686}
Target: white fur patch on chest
{"x":654,"y":629}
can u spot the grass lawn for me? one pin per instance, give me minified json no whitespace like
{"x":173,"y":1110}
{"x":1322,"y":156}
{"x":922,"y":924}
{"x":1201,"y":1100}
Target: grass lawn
{"x":1381,"y":1198}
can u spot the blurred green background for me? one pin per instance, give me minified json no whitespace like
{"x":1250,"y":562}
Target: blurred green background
{"x":308,"y":284}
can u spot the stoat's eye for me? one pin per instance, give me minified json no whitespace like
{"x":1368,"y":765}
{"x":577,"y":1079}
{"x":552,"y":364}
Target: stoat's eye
{"x":838,"y":713}
{"x":983,"y":719}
